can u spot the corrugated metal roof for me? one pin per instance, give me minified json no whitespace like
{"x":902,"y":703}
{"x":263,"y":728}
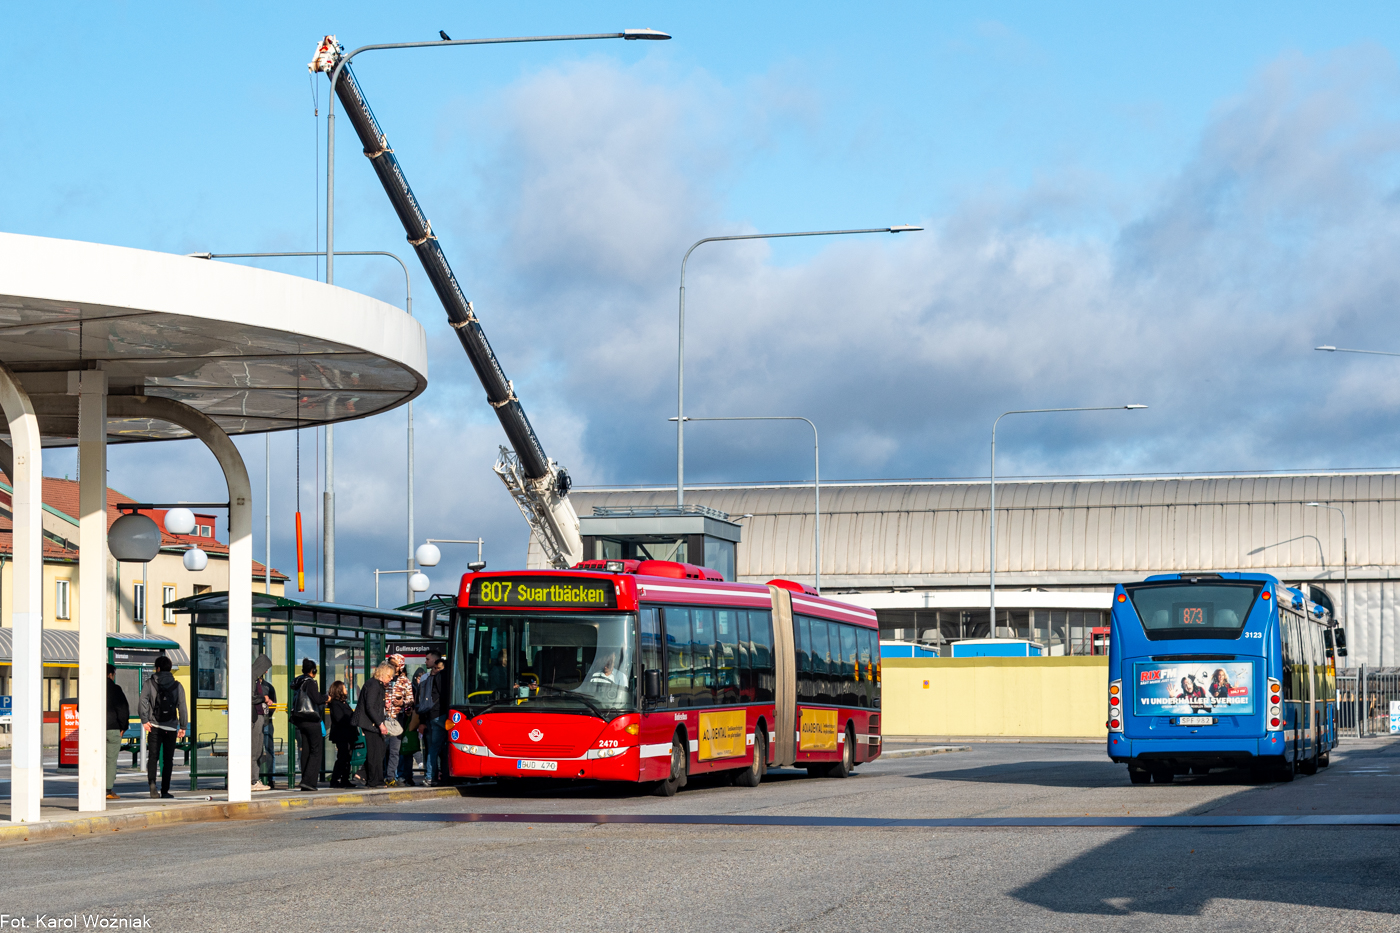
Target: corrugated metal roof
{"x":1067,"y":532}
{"x":60,"y":646}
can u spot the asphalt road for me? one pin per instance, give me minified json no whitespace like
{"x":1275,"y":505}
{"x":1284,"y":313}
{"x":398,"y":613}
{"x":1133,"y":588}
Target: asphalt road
{"x":427,"y":866}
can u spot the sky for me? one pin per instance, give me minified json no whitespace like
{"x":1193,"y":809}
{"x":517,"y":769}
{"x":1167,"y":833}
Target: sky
{"x":1164,"y":204}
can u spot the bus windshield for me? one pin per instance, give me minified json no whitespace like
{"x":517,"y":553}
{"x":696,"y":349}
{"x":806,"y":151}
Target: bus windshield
{"x":1193,"y":610}
{"x":545,"y":662}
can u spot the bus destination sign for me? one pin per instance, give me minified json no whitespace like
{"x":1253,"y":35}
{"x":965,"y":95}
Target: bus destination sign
{"x":542,"y":593}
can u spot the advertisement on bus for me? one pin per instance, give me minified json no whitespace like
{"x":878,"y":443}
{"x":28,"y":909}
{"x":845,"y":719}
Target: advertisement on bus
{"x":1194,"y":687}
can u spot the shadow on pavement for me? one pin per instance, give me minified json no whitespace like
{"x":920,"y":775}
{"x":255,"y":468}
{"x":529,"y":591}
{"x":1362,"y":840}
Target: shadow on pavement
{"x":1177,"y":872}
{"x":1075,"y":774}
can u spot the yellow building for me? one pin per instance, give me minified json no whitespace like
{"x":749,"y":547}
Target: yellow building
{"x":134,"y":607}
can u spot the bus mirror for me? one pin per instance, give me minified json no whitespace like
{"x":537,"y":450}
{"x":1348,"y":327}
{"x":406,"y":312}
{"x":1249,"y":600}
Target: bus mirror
{"x":652,"y":684}
{"x":1339,"y":641}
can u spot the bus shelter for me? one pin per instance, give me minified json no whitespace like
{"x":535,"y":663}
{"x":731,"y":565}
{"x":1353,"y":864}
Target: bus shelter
{"x":345,"y":641}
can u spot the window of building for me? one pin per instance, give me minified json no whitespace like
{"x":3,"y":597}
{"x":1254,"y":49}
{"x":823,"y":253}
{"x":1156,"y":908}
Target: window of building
{"x":60,"y":599}
{"x":205,"y":531}
{"x":138,"y":602}
{"x":167,"y":595}
{"x":198,"y":589}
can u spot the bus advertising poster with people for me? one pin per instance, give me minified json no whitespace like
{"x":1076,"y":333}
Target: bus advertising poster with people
{"x":1218,"y":687}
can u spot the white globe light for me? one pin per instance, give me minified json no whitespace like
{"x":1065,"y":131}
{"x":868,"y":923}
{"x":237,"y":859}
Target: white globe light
{"x":134,"y":537}
{"x":427,"y":555}
{"x":179,"y":521}
{"x":195,"y":559}
{"x":418,"y":582}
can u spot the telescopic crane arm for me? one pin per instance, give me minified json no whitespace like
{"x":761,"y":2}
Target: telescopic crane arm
{"x":539,"y":486}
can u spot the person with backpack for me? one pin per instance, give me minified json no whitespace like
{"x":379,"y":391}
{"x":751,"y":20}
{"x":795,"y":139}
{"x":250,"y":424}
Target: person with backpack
{"x":308,"y":715}
{"x":163,"y":716}
{"x":118,"y":718}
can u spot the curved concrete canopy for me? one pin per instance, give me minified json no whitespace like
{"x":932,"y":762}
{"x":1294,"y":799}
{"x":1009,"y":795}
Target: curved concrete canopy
{"x":252,"y":349}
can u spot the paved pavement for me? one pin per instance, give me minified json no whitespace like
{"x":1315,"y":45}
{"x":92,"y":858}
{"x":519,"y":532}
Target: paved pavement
{"x":366,"y":868}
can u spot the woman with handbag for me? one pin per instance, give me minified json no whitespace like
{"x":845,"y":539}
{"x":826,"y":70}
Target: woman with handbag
{"x":308,"y":711}
{"x":372,"y":720}
{"x":398,"y":705}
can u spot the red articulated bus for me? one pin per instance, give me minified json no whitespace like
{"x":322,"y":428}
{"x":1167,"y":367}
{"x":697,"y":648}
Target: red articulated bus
{"x":651,"y":671}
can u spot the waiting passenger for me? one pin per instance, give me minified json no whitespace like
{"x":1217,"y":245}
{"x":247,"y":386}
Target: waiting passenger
{"x":308,"y":715}
{"x":342,"y":734}
{"x":162,"y":712}
{"x":370,"y":716}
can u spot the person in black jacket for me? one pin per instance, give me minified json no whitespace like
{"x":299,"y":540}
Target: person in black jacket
{"x":369,"y":716}
{"x":307,"y":712}
{"x":118,"y":718}
{"x":430,"y":698}
{"x":342,"y":734}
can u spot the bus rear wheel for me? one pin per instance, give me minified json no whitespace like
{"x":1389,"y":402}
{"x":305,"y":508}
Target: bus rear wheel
{"x":680,"y":764}
{"x":752,"y":776}
{"x":847,"y":765}
{"x":1308,"y":765}
{"x":1139,"y":775}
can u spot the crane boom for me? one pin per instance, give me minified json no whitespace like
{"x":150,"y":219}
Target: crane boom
{"x":539,"y":486}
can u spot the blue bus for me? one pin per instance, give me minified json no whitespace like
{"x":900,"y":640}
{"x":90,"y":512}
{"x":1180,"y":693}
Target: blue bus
{"x":1221,"y":670}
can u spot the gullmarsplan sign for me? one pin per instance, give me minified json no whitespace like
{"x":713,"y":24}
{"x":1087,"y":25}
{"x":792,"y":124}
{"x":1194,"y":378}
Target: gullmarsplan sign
{"x":542,"y":593}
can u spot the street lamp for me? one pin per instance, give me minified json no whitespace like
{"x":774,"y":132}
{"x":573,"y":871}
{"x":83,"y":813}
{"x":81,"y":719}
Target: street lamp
{"x":816,"y":482}
{"x":428,"y":553}
{"x":328,"y":522}
{"x":417,"y":582}
{"x":680,"y":418}
{"x":1346,"y":584}
{"x":1330,"y":349}
{"x":267,"y":438}
{"x":992,"y":516}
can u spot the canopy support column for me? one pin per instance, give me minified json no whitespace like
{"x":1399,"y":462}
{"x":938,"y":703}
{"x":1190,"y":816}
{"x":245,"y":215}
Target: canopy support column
{"x":240,"y":573}
{"x":26,"y":665}
{"x":90,"y":385}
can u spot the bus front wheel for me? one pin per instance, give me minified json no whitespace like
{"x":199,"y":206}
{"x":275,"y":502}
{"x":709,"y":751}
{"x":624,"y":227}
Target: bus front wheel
{"x":680,"y":764}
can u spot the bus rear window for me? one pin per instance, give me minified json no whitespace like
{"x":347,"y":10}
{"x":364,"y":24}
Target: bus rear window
{"x":1193,"y":610}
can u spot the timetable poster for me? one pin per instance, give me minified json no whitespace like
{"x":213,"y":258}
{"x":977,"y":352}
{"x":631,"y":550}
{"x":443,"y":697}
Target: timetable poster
{"x":1194,"y":688}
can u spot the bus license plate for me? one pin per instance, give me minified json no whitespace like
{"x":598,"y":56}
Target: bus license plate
{"x":525,"y":764}
{"x":1196,"y":721}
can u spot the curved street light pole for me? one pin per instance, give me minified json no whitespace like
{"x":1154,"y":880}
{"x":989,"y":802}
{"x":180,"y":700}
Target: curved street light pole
{"x":992,"y":512}
{"x":816,"y":483}
{"x":1346,"y":584}
{"x":267,"y":440}
{"x":328,"y":522}
{"x":680,"y":418}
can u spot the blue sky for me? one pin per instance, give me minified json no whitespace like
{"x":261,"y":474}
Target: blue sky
{"x":1167,"y":204}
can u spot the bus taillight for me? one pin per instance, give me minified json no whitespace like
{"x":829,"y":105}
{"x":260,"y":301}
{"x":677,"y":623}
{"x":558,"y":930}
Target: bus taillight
{"x":1275,"y":704}
{"x":1115,"y":706}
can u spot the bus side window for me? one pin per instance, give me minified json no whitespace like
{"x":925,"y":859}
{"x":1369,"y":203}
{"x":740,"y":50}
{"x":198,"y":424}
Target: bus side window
{"x":850,"y":656}
{"x":1285,"y":638}
{"x":727,"y":650}
{"x":806,"y":688}
{"x":821,"y":659}
{"x":703,"y":644}
{"x":652,"y":657}
{"x":764,"y":677}
{"x":678,"y":658}
{"x":745,"y":660}
{"x":865,"y":668}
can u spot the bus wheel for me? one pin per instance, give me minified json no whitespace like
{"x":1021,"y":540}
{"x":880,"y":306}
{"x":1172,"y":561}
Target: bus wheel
{"x":1308,"y":766}
{"x":1163,"y":775}
{"x":847,"y":765}
{"x":1285,"y":770}
{"x":1139,"y":775}
{"x":752,"y":776}
{"x":680,"y":762}
{"x":1324,"y":759}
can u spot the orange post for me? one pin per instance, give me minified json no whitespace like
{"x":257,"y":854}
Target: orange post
{"x":301,"y":560}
